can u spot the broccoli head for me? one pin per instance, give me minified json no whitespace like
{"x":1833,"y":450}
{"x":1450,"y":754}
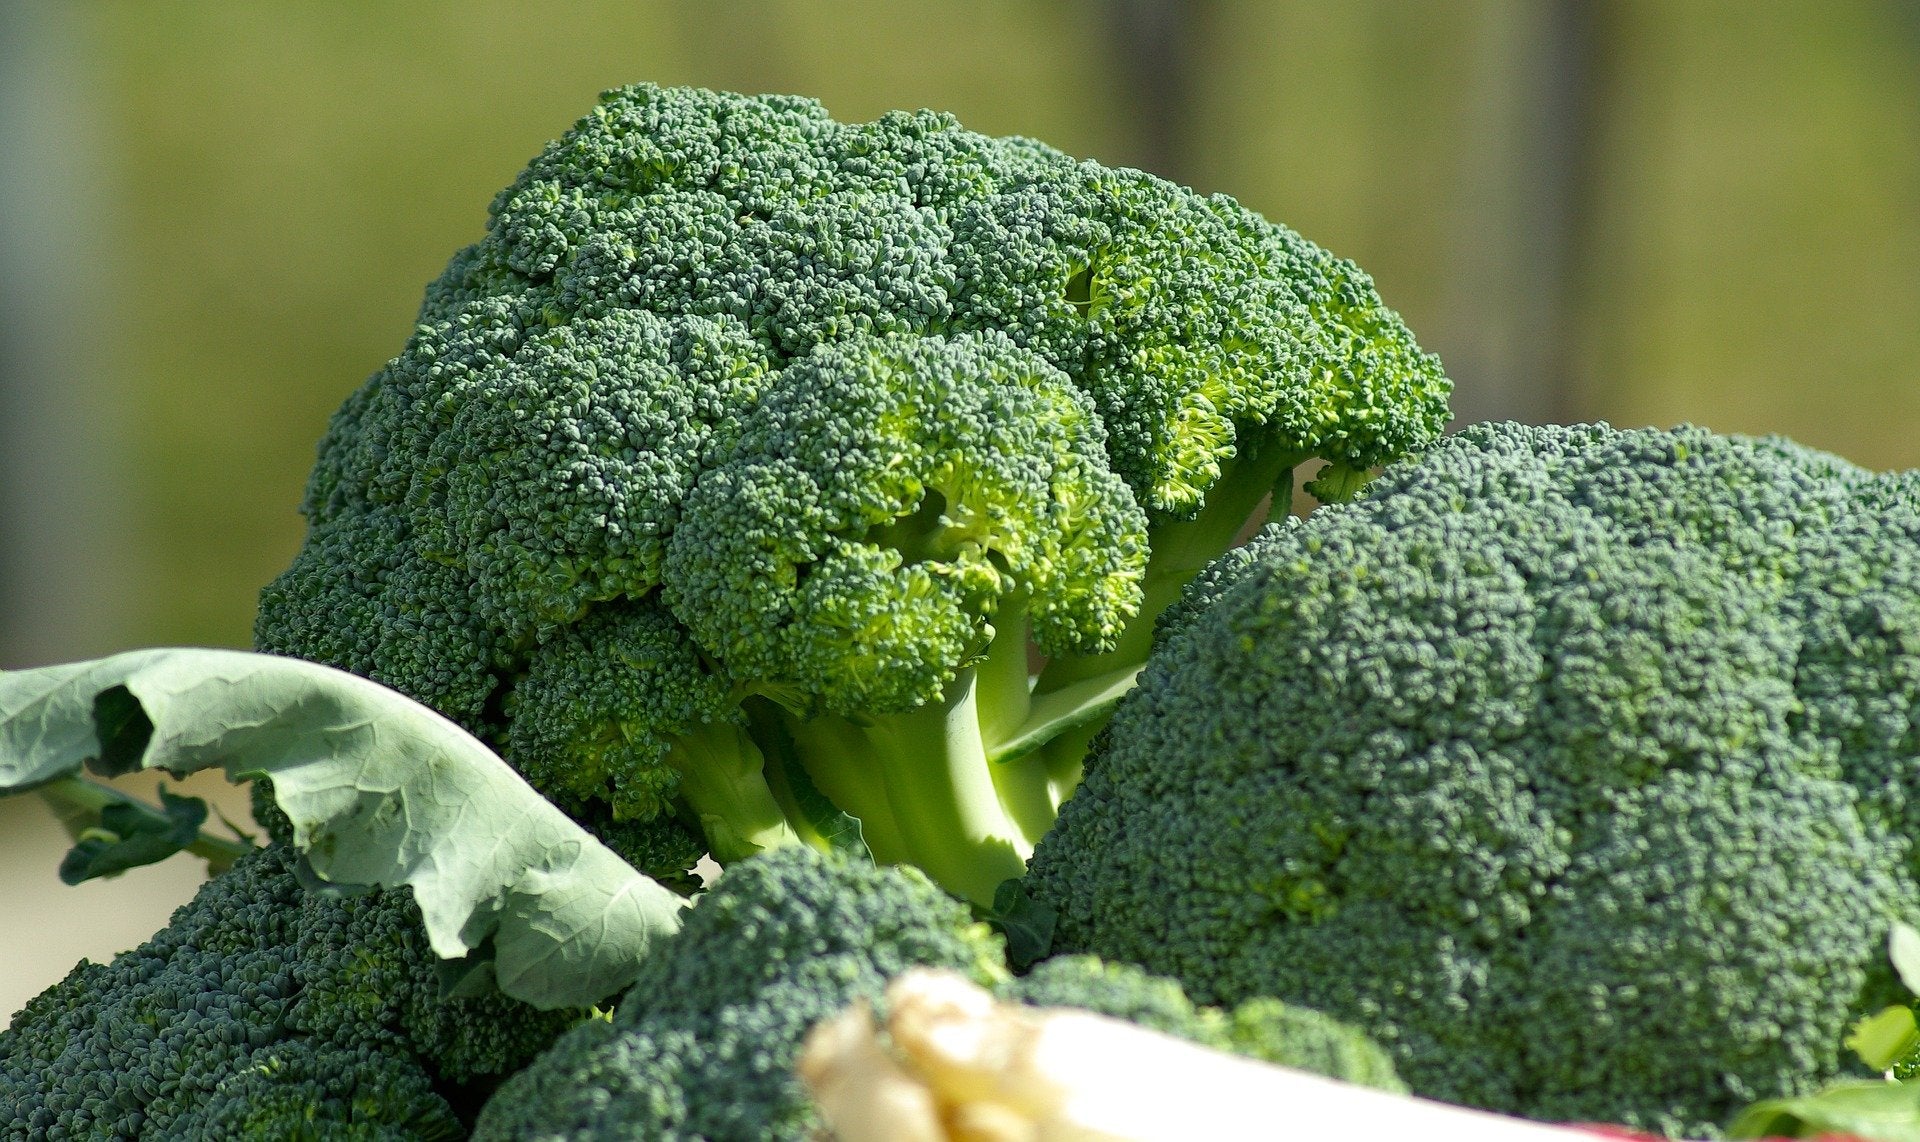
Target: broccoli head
{"x":264,"y":1010}
{"x":705,"y":1042}
{"x":1575,"y":764}
{"x":745,"y":431}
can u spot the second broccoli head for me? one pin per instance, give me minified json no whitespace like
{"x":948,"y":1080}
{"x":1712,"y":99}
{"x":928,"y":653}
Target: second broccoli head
{"x":745,"y":434}
{"x":704,"y":1043}
{"x":1575,"y":764}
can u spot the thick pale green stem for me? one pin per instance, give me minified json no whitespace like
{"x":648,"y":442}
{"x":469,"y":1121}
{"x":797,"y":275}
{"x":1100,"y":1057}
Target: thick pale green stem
{"x":1003,"y":696}
{"x":723,"y":782}
{"x":1001,"y":681}
{"x":925,"y":772}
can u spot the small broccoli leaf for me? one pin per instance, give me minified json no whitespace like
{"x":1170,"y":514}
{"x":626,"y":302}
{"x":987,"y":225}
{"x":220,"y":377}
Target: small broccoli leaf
{"x":1886,"y":1111}
{"x":131,"y":834}
{"x":1883,"y":1039}
{"x":1025,"y":923}
{"x":381,"y":791}
{"x":1064,"y":709}
{"x":114,"y":832}
{"x":813,"y":814}
{"x":836,"y":828}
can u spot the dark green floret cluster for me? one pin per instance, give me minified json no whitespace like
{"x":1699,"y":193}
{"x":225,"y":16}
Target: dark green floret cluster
{"x":264,"y":1011}
{"x":1574,"y":764}
{"x":747,"y":432}
{"x":704,"y":1044}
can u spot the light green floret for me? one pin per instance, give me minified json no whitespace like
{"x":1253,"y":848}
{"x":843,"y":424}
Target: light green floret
{"x":897,"y":518}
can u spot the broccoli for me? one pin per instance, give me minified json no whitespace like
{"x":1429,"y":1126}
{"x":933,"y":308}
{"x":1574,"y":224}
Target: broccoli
{"x":704,"y":1044}
{"x":727,"y":480}
{"x":1261,"y":1028}
{"x":264,"y":1011}
{"x":1575,"y":764}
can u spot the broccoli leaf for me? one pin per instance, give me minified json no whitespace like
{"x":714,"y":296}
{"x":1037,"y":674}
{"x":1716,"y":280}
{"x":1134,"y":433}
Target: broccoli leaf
{"x":1883,"y":1039}
{"x":1025,"y":923}
{"x":130,"y":834}
{"x":1883,"y":1110}
{"x":381,"y":791}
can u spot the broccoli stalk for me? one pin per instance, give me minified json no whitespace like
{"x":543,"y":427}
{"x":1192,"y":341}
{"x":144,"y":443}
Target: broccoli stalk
{"x":724,"y":788}
{"x":921,"y":780}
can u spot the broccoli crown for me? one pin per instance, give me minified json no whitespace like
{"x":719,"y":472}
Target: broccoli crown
{"x":1263,"y":1028}
{"x":262,"y":1010}
{"x":703,"y":1044}
{"x":792,"y":561}
{"x":1577,"y":765}
{"x":811,"y":413}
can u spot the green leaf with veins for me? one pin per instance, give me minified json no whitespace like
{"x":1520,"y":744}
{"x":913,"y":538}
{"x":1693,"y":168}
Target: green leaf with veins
{"x":381,"y":791}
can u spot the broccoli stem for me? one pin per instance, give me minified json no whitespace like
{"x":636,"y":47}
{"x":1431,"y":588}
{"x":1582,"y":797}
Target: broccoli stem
{"x":925,"y":772}
{"x":723,"y":783}
{"x":1002,"y":692}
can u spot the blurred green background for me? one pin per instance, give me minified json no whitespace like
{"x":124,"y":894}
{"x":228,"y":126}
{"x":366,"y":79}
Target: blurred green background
{"x":216,"y":219}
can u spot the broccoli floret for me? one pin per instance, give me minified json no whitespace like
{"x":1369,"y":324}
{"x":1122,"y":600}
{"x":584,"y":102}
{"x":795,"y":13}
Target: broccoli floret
{"x":793,"y":565}
{"x":1262,"y":1028}
{"x":823,"y":423}
{"x":1574,"y":764}
{"x":263,"y":1010}
{"x":704,"y":1043}
{"x":319,"y":1093}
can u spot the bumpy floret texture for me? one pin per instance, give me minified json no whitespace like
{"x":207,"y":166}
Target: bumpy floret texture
{"x":1262,"y":1028}
{"x":892,"y":378}
{"x":794,"y":563}
{"x":1577,"y":765}
{"x":262,"y":1010}
{"x":703,"y":1044}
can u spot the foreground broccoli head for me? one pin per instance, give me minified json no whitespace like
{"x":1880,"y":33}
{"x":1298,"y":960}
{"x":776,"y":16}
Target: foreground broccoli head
{"x":704,"y":1044}
{"x":263,"y":1011}
{"x":745,"y":427}
{"x":1577,"y":764}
